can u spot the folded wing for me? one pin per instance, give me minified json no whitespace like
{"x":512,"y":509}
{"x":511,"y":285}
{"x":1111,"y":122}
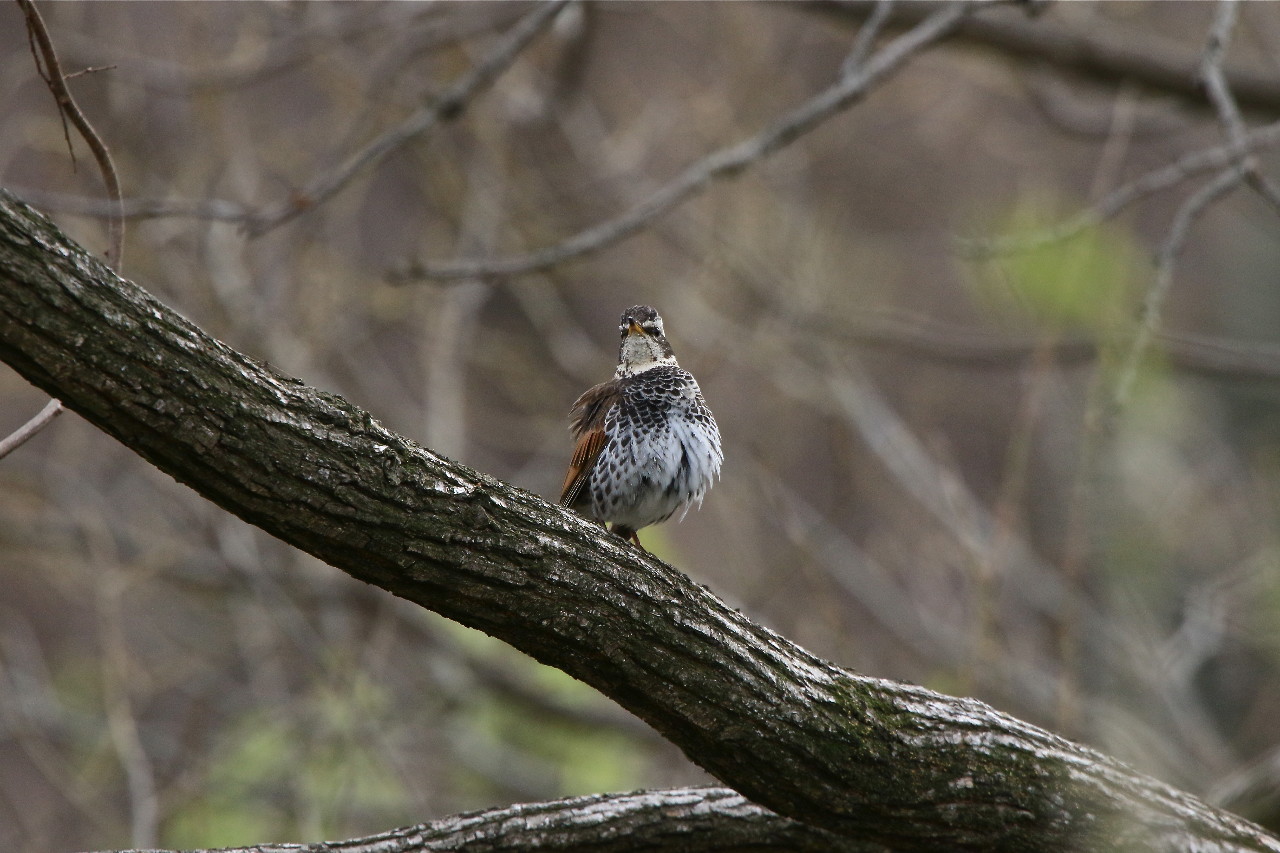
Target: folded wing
{"x":586,"y":422}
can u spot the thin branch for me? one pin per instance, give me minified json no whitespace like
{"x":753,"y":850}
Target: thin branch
{"x":1240,"y":149}
{"x":447,"y":106}
{"x":1258,"y":782}
{"x":724,"y":163}
{"x":1153,"y":304}
{"x":941,"y":492}
{"x":303,"y":42}
{"x":1215,"y":79}
{"x":89,"y":70}
{"x":1079,"y":115}
{"x":213,"y":209}
{"x":866,"y":38}
{"x":1194,"y":207}
{"x":18,"y":437}
{"x":1157,"y":180}
{"x":1224,"y":101}
{"x":925,"y":338}
{"x":56,"y":81}
{"x":1218,"y":358}
{"x":122,"y":719}
{"x":1105,"y":55}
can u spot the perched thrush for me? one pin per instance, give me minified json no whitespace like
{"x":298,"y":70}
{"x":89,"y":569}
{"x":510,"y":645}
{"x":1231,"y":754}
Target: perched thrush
{"x":647,"y":445}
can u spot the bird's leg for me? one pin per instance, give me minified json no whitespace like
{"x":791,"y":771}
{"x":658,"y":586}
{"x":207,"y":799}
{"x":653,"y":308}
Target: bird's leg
{"x":628,"y":534}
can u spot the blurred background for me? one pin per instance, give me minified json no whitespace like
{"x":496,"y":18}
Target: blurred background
{"x":943,"y":465}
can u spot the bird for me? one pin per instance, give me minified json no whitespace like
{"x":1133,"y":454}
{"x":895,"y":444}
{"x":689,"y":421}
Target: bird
{"x":647,"y":445}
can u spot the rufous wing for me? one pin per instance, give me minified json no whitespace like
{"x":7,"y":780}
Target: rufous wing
{"x":586,"y":422}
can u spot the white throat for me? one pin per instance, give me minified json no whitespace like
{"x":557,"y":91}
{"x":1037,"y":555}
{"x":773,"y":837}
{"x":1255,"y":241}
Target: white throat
{"x":632,"y":368}
{"x":642,"y":352}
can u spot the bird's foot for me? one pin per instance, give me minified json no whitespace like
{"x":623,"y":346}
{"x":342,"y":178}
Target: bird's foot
{"x":628,"y":534}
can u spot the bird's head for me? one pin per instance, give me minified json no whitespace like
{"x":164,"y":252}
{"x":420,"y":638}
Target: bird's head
{"x":644,"y":345}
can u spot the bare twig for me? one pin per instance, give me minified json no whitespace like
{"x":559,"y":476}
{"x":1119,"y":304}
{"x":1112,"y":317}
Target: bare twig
{"x":943,"y":493}
{"x":866,"y":38}
{"x":1104,"y":54}
{"x":1215,"y":79}
{"x":304,"y":41}
{"x":1224,"y":101}
{"x":1079,"y":115}
{"x":1191,"y":210}
{"x":1240,"y":149}
{"x":89,"y":70}
{"x":53,"y":76}
{"x":19,"y":436}
{"x":724,"y":163}
{"x":1153,"y":304}
{"x":1117,"y":143}
{"x":1256,"y":782}
{"x":122,"y":720}
{"x":213,"y":209}
{"x":447,"y":106}
{"x":915,"y":336}
{"x":1206,"y":160}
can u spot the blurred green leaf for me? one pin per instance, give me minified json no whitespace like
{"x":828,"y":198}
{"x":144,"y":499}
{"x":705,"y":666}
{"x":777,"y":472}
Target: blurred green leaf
{"x":1087,"y":283}
{"x":575,"y":758}
{"x":274,"y":773}
{"x":244,"y":797}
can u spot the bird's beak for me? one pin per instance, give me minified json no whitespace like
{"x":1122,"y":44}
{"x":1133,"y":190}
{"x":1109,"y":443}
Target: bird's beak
{"x":633,"y":328}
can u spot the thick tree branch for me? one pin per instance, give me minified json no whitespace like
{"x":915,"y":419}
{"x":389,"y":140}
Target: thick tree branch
{"x":874,"y":760}
{"x":695,"y":820}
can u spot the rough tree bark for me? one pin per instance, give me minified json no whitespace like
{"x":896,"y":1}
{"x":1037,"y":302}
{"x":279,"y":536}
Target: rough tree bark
{"x":691,"y":820}
{"x":873,"y":760}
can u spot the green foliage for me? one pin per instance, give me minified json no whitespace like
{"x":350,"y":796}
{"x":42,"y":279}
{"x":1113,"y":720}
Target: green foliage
{"x":1087,"y":283}
{"x":571,"y":757}
{"x":279,"y":776}
{"x":242,"y":796}
{"x":1266,"y":613}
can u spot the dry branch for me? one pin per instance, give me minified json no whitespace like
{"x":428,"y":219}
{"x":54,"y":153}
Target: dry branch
{"x":694,"y":820}
{"x":68,"y":109}
{"x":1109,"y":58}
{"x":39,"y":421}
{"x":855,"y":82}
{"x":445,"y":107}
{"x":1157,"y":180}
